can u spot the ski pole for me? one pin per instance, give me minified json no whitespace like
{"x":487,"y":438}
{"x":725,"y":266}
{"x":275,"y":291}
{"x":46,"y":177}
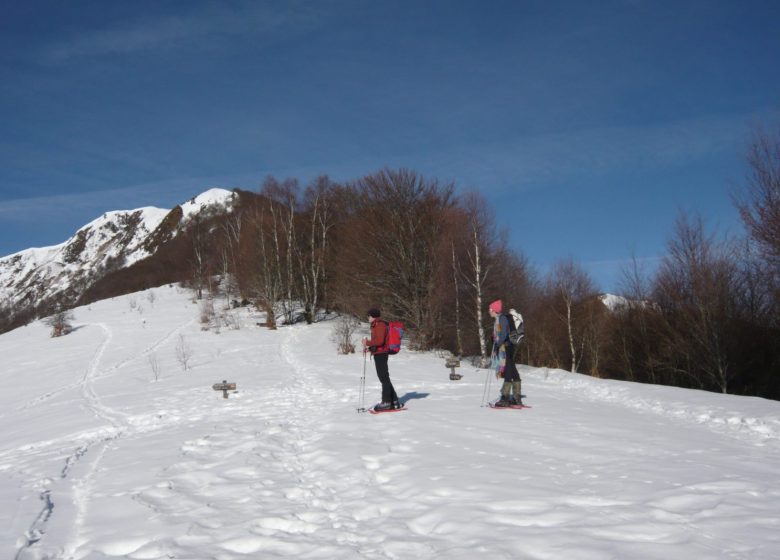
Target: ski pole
{"x":488,"y":384}
{"x":362,"y":404}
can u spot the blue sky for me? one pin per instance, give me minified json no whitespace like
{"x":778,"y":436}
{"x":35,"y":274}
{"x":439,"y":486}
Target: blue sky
{"x":588,"y":125}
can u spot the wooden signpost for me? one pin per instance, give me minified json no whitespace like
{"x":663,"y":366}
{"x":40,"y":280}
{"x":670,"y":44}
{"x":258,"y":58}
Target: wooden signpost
{"x":452,"y":363}
{"x":224,"y":387}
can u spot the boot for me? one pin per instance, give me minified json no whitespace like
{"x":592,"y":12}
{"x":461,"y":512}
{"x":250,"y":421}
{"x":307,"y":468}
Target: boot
{"x":505,"y":391}
{"x":516,"y":391}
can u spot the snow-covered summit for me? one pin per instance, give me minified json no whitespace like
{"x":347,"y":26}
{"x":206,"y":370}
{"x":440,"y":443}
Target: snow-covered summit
{"x":113,"y":236}
{"x":115,"y":240}
{"x":212,"y":198}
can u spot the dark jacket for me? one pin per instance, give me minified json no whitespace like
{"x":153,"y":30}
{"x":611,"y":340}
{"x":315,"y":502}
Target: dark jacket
{"x":501,"y":333}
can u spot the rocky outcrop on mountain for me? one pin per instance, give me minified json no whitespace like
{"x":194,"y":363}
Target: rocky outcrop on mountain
{"x":104,"y":257}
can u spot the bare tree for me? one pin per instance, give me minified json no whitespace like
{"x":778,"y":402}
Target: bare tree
{"x":477,"y":268}
{"x":571,"y":286}
{"x":270,"y":283}
{"x":759,"y":203}
{"x":312,"y":249}
{"x":231,"y":236}
{"x":281,"y":207}
{"x":343,"y":331}
{"x":267,"y":284}
{"x":398,"y":225}
{"x":60,"y":323}
{"x":183,"y":353}
{"x":198,"y":257}
{"x":595,"y":334}
{"x":456,"y":284}
{"x":637,"y":342}
{"x":696,"y":288}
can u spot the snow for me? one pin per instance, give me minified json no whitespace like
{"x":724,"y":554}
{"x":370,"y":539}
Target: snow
{"x":613,"y":302}
{"x":49,"y":271}
{"x":211,"y":197}
{"x":100,"y":460}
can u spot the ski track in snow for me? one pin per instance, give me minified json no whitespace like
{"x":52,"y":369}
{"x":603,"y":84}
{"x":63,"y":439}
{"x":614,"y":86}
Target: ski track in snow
{"x":150,"y":350}
{"x":38,"y":529}
{"x":285,"y":468}
{"x":102,"y":439}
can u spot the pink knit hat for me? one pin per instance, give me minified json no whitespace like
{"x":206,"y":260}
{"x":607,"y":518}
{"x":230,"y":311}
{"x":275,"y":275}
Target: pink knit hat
{"x":496,"y":306}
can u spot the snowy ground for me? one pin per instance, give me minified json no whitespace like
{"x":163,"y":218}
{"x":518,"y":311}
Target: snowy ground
{"x":100,"y":460}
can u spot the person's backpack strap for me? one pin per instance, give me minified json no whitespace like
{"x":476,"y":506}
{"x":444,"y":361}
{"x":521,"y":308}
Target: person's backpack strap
{"x":516,"y":332}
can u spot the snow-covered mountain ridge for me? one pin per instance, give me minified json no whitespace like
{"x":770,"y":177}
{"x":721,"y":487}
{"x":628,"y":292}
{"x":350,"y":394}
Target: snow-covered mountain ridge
{"x":115,"y":240}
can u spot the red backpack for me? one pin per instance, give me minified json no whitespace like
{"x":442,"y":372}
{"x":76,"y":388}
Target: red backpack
{"x":395,"y":333}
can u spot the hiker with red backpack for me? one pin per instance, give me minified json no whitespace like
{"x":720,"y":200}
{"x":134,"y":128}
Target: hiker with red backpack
{"x":504,"y":356}
{"x":380,"y":348}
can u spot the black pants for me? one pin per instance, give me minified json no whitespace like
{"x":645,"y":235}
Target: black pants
{"x":510,"y":369}
{"x":383,"y":373}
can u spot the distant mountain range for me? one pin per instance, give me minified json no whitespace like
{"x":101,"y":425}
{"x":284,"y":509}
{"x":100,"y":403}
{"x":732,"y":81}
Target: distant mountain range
{"x":118,"y":252}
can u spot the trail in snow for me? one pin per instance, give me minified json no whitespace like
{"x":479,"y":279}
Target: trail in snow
{"x":64,"y":488}
{"x":283,"y":466}
{"x":40,"y":525}
{"x":286,"y":468}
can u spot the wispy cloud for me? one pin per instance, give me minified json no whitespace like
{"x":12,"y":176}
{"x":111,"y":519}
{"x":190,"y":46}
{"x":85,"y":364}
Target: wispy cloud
{"x":540,"y":160}
{"x":149,"y":34}
{"x":94,"y":203}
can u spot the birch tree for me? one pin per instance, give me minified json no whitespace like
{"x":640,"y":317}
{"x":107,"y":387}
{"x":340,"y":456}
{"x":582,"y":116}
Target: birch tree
{"x":267,"y":284}
{"x":312,"y":254}
{"x":456,"y":285}
{"x":279,"y":219}
{"x":231,"y":235}
{"x":475,"y":276}
{"x":199,"y":257}
{"x":477,"y":267}
{"x":571,"y":285}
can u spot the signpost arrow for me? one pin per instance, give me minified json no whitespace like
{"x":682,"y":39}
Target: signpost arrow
{"x":224,"y":387}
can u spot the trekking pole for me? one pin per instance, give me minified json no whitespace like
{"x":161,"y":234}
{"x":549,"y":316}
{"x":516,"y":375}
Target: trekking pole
{"x":488,"y":385}
{"x":362,"y":404}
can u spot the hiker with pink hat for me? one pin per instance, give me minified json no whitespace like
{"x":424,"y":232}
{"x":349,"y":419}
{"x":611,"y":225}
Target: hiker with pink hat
{"x":503,"y":356}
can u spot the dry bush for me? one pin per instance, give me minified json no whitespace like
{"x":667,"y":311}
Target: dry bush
{"x":343,"y":331}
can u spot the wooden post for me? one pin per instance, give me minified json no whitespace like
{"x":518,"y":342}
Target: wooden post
{"x":224,"y":387}
{"x":452,"y":363}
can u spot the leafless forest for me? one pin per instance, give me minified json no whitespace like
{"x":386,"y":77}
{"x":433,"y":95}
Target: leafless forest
{"x":433,"y":257}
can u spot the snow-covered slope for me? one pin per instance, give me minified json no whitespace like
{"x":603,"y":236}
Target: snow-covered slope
{"x":110,"y":449}
{"x":115,"y":240}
